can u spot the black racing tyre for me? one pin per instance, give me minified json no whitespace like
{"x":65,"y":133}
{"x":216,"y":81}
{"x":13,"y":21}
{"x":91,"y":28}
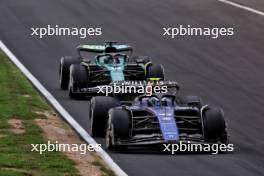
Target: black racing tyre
{"x":79,"y":78}
{"x":110,"y":146}
{"x":190,"y":100}
{"x":108,"y":140}
{"x":155,"y":71}
{"x":120,"y":119}
{"x":214,"y":125}
{"x":119,"y":123}
{"x":139,"y":59}
{"x":64,"y":71}
{"x":99,"y":107}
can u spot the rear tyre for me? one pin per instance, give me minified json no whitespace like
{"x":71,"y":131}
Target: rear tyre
{"x":64,"y":71}
{"x":78,"y":79}
{"x":190,"y":101}
{"x":214,"y":125}
{"x":119,"y":122}
{"x":155,"y":71}
{"x":139,"y":59}
{"x":98,"y":114}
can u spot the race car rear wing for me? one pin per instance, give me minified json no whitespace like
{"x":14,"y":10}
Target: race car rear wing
{"x":108,"y":47}
{"x":169,"y":84}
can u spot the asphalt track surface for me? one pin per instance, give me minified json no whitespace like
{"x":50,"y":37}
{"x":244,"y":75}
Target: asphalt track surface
{"x":227,"y":71}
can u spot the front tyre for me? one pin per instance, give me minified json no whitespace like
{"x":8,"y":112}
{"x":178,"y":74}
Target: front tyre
{"x":119,"y":123}
{"x":64,"y":71}
{"x":79,"y":76}
{"x":99,"y":107}
{"x":214,"y":125}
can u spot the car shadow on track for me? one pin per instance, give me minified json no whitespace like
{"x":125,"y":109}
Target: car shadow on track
{"x":160,"y":151}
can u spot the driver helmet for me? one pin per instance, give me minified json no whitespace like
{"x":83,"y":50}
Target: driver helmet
{"x":109,"y":59}
{"x":166,"y":101}
{"x":116,"y":59}
{"x":153,"y":101}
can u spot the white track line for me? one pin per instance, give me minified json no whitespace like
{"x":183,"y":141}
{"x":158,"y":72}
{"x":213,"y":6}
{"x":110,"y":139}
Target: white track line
{"x":242,"y":7}
{"x":108,"y":160}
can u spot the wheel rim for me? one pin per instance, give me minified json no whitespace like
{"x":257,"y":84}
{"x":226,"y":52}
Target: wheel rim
{"x":91,"y":126}
{"x":60,"y":73}
{"x":91,"y":118}
{"x":107,"y":140}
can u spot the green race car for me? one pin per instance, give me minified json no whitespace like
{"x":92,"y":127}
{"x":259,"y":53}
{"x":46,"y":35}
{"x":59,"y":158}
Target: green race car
{"x":112,"y":62}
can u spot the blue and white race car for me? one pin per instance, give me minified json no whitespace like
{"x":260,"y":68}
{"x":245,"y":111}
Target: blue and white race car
{"x":156,"y":119}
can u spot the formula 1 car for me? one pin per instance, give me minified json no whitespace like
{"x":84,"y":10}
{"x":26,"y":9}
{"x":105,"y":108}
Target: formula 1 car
{"x":109,"y":64}
{"x":155,"y":120}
